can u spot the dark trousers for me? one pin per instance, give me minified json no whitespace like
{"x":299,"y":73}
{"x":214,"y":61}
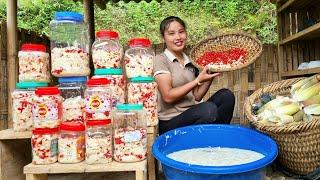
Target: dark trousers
{"x":218,"y":109}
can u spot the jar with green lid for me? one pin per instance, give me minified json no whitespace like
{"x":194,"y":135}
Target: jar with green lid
{"x":106,"y":50}
{"x":69,"y":45}
{"x":72,"y":91}
{"x":22,"y":98}
{"x":143,"y":90}
{"x":117,"y":83}
{"x":129,"y":133}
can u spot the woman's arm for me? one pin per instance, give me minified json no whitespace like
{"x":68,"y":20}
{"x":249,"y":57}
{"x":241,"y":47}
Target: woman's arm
{"x":170,"y":94}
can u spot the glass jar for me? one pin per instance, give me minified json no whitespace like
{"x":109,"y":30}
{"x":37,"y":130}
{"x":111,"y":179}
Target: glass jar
{"x":69,"y":45}
{"x":47,"y":110}
{"x":22,"y":98}
{"x":72,"y":92}
{"x":71,"y":143}
{"x":117,"y":83}
{"x":33,"y":63}
{"x":143,"y":90}
{"x":107,"y":50}
{"x":139,"y":58}
{"x":129,"y":133}
{"x":44,"y":143}
{"x":98,"y":99}
{"x":99,"y":142}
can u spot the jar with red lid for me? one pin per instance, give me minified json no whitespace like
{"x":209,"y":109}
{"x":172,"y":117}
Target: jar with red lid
{"x":71,"y":143}
{"x":139,"y":58}
{"x":107,"y":50}
{"x":47,"y":109}
{"x":44,"y":143}
{"x":34,"y":63}
{"x":98,"y":99}
{"x":143,"y":90}
{"x":99,"y":142}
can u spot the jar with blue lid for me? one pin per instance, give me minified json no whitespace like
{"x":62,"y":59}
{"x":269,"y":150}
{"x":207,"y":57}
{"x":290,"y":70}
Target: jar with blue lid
{"x":129,"y":133}
{"x":143,"y":90}
{"x":22,"y":98}
{"x":69,"y":45}
{"x":117,"y":83}
{"x":72,"y":91}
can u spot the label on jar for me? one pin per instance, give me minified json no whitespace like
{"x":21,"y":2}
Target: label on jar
{"x":54,"y":147}
{"x":96,"y":104}
{"x":45,"y":111}
{"x":132,"y":136}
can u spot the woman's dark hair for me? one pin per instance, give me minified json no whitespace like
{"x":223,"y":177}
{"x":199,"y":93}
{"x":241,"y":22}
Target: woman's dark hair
{"x":166,"y":22}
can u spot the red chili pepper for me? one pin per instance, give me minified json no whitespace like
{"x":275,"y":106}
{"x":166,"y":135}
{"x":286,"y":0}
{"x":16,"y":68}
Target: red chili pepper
{"x":225,"y":57}
{"x":118,"y":140}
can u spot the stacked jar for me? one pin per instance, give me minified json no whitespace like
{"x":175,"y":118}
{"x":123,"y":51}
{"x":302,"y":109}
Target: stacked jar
{"x":129,"y":133}
{"x":99,"y":142}
{"x":22,"y":98}
{"x":138,"y":59}
{"x":33,"y":63}
{"x":46,"y":109}
{"x":143,"y":90}
{"x":107,"y":52}
{"x":117,"y":83}
{"x":72,"y":92}
{"x":44,"y":143}
{"x":71,"y":143}
{"x":69,"y":45}
{"x":98,"y":99}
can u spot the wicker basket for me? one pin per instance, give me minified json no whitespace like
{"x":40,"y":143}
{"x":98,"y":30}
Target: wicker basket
{"x":227,"y":41}
{"x":299,"y":143}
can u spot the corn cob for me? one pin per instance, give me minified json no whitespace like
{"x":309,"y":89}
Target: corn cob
{"x":313,"y":109}
{"x":298,"y":116}
{"x":289,"y":109}
{"x":313,"y":100}
{"x":278,"y":101}
{"x":298,"y":84}
{"x":284,"y":119}
{"x":306,"y":93}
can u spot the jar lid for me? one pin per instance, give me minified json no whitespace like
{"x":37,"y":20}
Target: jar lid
{"x":72,"y":126}
{"x":68,"y":15}
{"x":33,"y":47}
{"x":45,"y":130}
{"x":107,"y":34}
{"x":30,"y":84}
{"x":98,"y":81}
{"x":142,"y":79}
{"x":72,"y":79}
{"x":128,"y":107}
{"x":108,"y":71}
{"x":143,"y":42}
{"x":47,"y":91}
{"x":98,"y":122}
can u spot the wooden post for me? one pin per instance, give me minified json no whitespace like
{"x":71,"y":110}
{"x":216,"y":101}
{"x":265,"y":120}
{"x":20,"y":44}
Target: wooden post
{"x":12,"y":44}
{"x":89,"y":18}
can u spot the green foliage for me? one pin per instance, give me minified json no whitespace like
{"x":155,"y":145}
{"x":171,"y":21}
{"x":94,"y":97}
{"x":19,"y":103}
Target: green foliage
{"x":203,"y":17}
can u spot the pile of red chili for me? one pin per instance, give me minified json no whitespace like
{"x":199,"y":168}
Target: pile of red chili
{"x":223,"y":57}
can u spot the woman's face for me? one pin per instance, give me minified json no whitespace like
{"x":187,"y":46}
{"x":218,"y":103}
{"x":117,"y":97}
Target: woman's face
{"x":175,"y":37}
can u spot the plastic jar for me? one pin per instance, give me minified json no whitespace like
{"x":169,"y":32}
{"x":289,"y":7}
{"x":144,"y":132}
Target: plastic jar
{"x":143,"y":90}
{"x":139,"y":58}
{"x":129,"y":133}
{"x":72,"y":92}
{"x":117,"y":83}
{"x":33,"y":63}
{"x":98,"y":99}
{"x":99,"y":142}
{"x":71,"y":143}
{"x":47,"y":110}
{"x":107,"y":51}
{"x":44,"y":143}
{"x":69,"y":45}
{"x":22,"y":98}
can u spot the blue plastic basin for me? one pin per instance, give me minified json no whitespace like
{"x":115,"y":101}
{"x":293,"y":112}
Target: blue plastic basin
{"x":199,"y":136}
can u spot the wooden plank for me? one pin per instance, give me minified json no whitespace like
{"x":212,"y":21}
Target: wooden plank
{"x":308,"y":33}
{"x":152,"y":167}
{"x":294,"y":56}
{"x":257,"y":73}
{"x":286,"y":5}
{"x":82,"y":167}
{"x":311,"y":47}
{"x":317,"y":49}
{"x":36,"y":176}
{"x":301,"y":73}
{"x":10,"y":134}
{"x":244,"y":89}
{"x":270,"y":64}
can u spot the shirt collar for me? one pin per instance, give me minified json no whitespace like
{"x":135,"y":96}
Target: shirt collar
{"x":171,"y":57}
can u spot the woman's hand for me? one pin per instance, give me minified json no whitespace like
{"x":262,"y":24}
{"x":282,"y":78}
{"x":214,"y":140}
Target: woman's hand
{"x":206,"y":75}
